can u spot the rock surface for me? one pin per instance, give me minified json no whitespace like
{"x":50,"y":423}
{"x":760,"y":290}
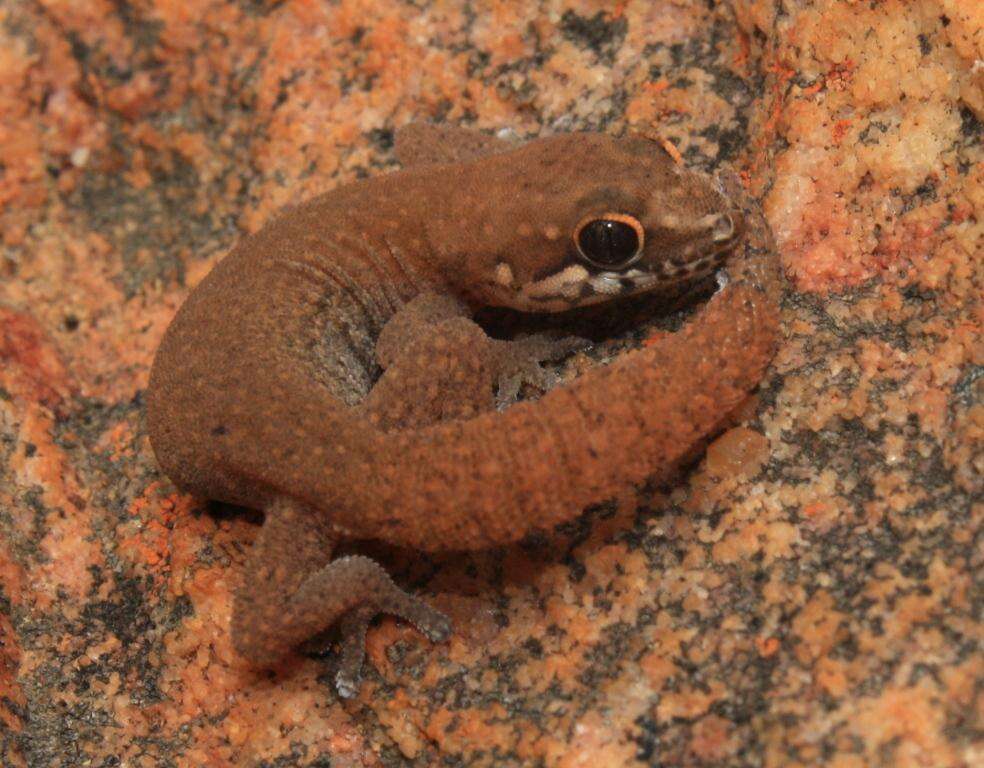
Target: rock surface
{"x":808,"y":594}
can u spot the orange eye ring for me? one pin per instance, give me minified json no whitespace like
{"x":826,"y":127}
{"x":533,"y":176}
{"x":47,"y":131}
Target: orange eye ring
{"x":610,"y":241}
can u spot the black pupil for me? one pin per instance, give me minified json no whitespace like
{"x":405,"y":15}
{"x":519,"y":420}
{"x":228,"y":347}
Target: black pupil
{"x":608,"y":242}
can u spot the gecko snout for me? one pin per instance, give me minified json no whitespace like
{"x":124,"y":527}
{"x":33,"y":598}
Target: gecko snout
{"x":709,"y":242}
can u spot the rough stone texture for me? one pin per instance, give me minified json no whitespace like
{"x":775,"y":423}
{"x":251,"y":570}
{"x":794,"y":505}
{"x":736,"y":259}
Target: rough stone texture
{"x":808,"y":594}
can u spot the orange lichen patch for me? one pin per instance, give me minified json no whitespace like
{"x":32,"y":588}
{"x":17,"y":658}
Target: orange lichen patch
{"x":825,"y":513}
{"x":767,"y":646}
{"x":655,"y":338}
{"x":149,"y":545}
{"x":839,"y":130}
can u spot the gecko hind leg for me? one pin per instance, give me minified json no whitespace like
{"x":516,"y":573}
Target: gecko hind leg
{"x":292,"y":590}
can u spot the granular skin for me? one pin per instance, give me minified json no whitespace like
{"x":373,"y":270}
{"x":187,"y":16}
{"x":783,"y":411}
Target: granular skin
{"x":329,"y":373}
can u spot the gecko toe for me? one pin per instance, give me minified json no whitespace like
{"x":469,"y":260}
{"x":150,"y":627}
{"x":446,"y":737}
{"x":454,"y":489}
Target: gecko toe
{"x":347,"y":683}
{"x":352,"y":651}
{"x":432,"y":623}
{"x":438,"y":629}
{"x":519,"y":363}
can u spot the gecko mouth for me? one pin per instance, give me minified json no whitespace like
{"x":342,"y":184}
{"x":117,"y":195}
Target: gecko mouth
{"x":616,"y":312}
{"x":575,"y":286}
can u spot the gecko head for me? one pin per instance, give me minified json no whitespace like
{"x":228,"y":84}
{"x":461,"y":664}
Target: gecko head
{"x":581,"y":219}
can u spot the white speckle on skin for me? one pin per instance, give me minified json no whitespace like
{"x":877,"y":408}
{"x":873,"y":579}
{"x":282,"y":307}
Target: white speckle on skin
{"x":610,"y":286}
{"x":551,"y":231}
{"x":503,"y":274}
{"x":566,"y":282}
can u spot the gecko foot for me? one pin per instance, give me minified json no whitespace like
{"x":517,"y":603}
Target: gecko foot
{"x":519,"y":362}
{"x":354,"y":625}
{"x":352,"y":650}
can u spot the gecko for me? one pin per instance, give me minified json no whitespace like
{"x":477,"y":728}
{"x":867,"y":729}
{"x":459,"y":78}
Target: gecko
{"x":329,"y":372}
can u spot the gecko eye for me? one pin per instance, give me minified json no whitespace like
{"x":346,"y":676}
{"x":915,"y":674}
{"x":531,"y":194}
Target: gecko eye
{"x":611,"y":241}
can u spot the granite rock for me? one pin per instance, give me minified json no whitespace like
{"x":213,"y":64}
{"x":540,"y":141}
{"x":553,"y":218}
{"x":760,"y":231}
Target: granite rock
{"x":807,"y":593}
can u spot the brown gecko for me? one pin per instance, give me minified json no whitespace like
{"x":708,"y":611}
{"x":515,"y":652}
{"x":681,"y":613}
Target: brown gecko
{"x":328,"y":371}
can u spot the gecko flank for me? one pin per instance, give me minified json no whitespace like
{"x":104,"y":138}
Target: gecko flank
{"x":328,"y":370}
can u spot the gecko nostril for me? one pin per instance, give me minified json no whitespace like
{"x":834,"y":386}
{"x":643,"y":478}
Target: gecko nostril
{"x":723,"y":229}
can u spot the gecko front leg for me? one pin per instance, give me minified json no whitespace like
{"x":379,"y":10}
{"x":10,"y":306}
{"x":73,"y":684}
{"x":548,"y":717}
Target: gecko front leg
{"x":440,"y":365}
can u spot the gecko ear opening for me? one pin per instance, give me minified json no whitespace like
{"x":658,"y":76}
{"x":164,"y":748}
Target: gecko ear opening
{"x":611,"y":241}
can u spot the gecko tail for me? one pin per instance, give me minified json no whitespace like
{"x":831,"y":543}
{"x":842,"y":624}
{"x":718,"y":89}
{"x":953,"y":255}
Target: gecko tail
{"x":498,"y":477}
